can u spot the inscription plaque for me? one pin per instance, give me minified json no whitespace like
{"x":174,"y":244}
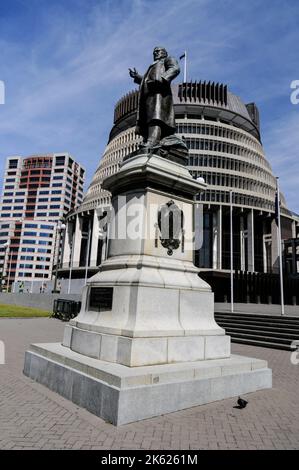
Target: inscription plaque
{"x":101,"y":298}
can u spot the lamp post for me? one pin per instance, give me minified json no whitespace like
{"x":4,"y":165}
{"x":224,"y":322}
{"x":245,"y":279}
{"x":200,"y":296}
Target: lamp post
{"x":60,"y":228}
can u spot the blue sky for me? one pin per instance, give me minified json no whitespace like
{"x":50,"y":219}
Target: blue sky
{"x":65,"y":64}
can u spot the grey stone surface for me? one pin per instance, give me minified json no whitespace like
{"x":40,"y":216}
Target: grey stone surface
{"x":125,"y":402}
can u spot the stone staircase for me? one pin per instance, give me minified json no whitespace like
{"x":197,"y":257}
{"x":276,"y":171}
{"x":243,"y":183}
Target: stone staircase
{"x":260,"y":330}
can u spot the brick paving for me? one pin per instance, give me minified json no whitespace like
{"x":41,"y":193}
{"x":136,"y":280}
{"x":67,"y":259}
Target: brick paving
{"x":33,"y":417}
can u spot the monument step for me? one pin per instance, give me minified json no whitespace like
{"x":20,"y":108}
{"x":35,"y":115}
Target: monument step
{"x":121,"y":394}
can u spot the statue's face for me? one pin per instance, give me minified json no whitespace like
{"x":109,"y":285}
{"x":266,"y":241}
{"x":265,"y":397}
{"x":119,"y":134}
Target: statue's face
{"x":159,"y":53}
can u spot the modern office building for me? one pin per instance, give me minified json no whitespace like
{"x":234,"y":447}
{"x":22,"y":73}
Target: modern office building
{"x":38,"y":192}
{"x":225,"y":148}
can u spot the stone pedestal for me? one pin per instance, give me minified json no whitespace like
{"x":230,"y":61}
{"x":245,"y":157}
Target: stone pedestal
{"x":146,"y":327}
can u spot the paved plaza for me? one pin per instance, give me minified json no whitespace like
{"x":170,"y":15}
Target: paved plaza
{"x":33,"y":417}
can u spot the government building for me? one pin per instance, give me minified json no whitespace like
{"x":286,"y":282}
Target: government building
{"x":225,"y":148}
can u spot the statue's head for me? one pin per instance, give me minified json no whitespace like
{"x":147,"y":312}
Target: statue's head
{"x":159,"y":53}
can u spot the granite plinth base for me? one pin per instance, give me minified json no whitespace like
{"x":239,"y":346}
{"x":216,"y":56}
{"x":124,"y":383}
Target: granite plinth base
{"x":121,"y":394}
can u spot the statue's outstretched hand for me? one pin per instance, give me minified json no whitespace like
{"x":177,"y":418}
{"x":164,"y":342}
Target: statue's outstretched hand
{"x":133,"y":73}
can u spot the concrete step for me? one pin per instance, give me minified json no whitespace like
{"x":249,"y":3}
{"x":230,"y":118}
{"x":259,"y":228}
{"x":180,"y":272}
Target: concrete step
{"x":274,"y":329}
{"x":260,"y":330}
{"x":259,"y":318}
{"x":263,"y":344}
{"x":260,"y":337}
{"x":240,"y":321}
{"x":261,"y":333}
{"x":256,"y":317}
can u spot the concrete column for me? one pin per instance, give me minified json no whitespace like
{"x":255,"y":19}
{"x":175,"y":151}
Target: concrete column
{"x":250,"y":245}
{"x":77,"y":241}
{"x":219,"y":215}
{"x":67,"y":244}
{"x":293,"y":229}
{"x":215,"y":241}
{"x":274,"y":249}
{"x":242,"y":244}
{"x":94,"y":239}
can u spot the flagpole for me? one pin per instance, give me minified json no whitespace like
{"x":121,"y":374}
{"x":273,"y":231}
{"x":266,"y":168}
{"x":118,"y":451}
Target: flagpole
{"x":231,"y":253}
{"x":185,"y":68}
{"x":279,"y":247}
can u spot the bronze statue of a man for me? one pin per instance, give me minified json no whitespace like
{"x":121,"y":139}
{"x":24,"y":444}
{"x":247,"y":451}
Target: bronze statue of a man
{"x":155,"y":116}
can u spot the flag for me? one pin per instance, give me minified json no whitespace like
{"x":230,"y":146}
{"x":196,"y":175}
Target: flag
{"x":182,"y":56}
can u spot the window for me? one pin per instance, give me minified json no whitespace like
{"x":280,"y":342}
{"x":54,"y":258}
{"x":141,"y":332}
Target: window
{"x":19,"y":200}
{"x":41,"y":214}
{"x":5,"y":226}
{"x":29,"y":234}
{"x":8,"y":194}
{"x":47,"y":227}
{"x":55,"y":199}
{"x":54,"y":206}
{"x":48,"y":235}
{"x":20,"y":193}
{"x":55,"y":185}
{"x":44,"y":242}
{"x":42,"y":207}
{"x":28,"y":250}
{"x":54,"y":214}
{"x":10,"y":180}
{"x":31,"y":226}
{"x":59,"y":177}
{"x":18,"y":208}
{"x":44,"y":192}
{"x":29,"y":242}
{"x":43,"y":199}
{"x":56,"y":192}
{"x":60,"y":160}
{"x":6,"y":208}
{"x":13,"y":163}
{"x":18,"y":214}
{"x":9,"y":187}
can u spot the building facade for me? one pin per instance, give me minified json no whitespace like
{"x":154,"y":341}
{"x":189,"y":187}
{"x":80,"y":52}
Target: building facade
{"x":38,"y":192}
{"x":225,"y":148}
